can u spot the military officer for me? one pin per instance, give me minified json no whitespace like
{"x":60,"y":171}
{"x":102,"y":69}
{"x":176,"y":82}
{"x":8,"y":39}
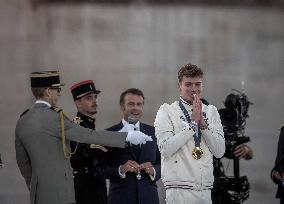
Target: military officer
{"x":90,"y":187}
{"x":42,"y":138}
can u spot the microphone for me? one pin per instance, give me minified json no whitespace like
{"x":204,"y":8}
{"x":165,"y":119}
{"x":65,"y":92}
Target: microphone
{"x":132,"y":119}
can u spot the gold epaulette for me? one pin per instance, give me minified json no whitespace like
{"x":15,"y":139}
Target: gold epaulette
{"x":95,"y":146}
{"x":59,"y":110}
{"x":56,"y":109}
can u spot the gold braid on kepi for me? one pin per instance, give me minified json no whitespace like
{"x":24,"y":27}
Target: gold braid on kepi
{"x":66,"y":151}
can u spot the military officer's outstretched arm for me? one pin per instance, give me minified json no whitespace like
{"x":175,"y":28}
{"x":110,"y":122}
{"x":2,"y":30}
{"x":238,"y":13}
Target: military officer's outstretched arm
{"x":80,"y":134}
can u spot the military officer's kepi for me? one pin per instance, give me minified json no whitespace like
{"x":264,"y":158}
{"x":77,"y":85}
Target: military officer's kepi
{"x":83,"y":88}
{"x":45,"y":79}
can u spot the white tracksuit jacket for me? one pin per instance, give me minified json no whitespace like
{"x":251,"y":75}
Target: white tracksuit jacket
{"x":179,"y":168}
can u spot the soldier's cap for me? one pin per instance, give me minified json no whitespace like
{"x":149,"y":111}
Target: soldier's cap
{"x":83,"y":88}
{"x":45,"y":79}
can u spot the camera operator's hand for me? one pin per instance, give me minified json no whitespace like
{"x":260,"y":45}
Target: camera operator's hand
{"x":243,"y":151}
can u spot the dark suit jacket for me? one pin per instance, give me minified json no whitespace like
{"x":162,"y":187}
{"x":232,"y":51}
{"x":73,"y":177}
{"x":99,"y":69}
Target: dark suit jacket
{"x":279,"y":164}
{"x":130,"y":190}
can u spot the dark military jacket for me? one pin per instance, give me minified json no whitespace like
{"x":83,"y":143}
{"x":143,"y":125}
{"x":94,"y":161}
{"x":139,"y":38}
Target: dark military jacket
{"x":90,"y":187}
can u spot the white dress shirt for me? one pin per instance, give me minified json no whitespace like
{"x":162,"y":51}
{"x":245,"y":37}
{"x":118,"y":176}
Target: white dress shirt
{"x":45,"y":102}
{"x":127,"y":127}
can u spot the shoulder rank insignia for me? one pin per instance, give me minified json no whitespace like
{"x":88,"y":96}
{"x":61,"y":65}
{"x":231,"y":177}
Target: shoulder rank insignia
{"x":77,"y":120}
{"x":23,"y":113}
{"x":56,"y":109}
{"x":95,"y":146}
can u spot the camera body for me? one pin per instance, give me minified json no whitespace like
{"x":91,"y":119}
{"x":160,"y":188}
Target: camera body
{"x":234,"y":189}
{"x":233,"y":118}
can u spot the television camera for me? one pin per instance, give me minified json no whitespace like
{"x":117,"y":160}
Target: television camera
{"x":232,"y":189}
{"x":233,"y":118}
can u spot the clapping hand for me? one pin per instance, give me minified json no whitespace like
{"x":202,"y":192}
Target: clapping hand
{"x":197,"y":111}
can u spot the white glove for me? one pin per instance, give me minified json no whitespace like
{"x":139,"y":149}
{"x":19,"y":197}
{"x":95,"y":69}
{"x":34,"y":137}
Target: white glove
{"x":137,"y":137}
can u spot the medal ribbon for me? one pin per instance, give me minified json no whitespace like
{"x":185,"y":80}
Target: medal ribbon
{"x":197,"y":135}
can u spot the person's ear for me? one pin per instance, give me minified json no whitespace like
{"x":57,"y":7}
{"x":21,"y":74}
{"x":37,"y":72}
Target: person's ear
{"x":122,"y":108}
{"x":179,"y":84}
{"x":47,"y":92}
{"x":78,"y":103}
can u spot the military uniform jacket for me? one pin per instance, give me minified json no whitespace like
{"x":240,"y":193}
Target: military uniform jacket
{"x":40,"y":157}
{"x":90,"y":187}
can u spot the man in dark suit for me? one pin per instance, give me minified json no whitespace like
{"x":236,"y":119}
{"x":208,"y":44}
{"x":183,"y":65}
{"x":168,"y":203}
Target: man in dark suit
{"x":89,"y":188}
{"x":133,"y":171}
{"x":42,"y":143}
{"x":277,"y":173}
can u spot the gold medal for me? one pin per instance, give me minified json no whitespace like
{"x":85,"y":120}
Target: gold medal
{"x":197,"y":153}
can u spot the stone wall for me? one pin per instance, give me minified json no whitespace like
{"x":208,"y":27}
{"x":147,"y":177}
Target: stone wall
{"x":142,"y":46}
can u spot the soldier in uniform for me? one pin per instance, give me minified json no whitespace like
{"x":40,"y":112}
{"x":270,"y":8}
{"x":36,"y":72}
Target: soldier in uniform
{"x":42,"y":137}
{"x":90,"y":187}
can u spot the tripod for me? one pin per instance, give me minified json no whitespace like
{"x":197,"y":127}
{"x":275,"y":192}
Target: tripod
{"x":229,"y":189}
